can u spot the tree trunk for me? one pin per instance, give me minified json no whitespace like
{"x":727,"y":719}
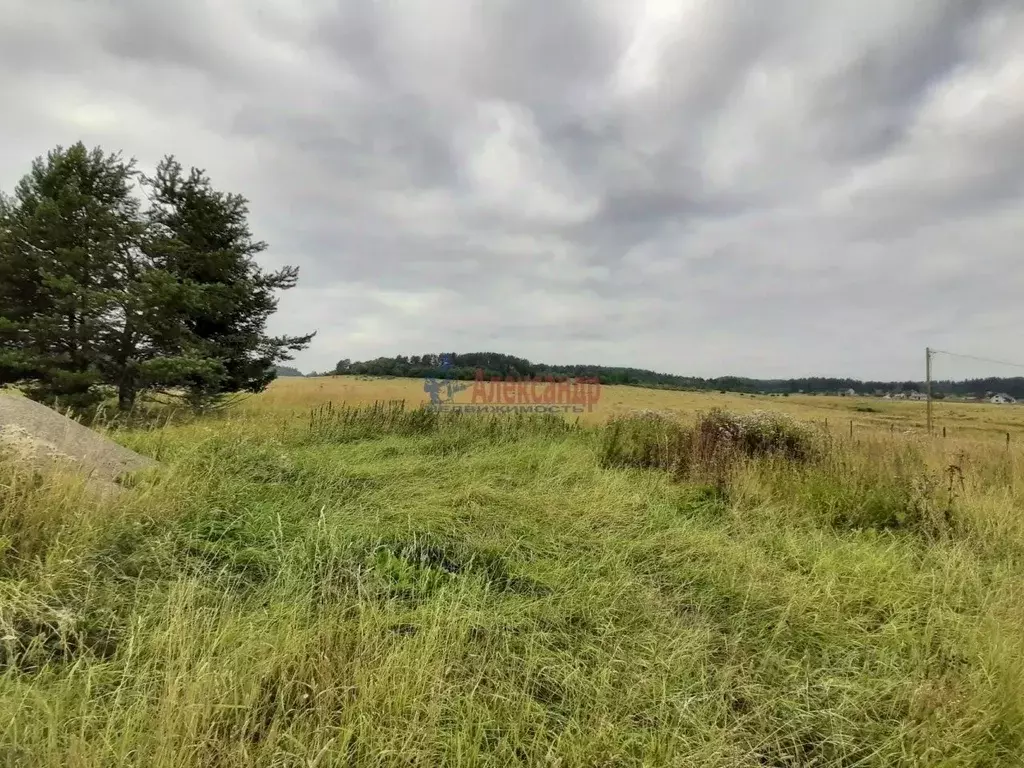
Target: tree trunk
{"x":126,"y":392}
{"x":127,"y":385}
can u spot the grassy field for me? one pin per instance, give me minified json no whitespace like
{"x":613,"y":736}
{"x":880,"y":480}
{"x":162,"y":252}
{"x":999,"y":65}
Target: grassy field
{"x":384,"y":587}
{"x":869,"y":415}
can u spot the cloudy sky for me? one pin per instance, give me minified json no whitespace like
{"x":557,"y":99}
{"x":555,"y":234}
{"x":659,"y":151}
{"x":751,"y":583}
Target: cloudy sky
{"x":700,"y":187}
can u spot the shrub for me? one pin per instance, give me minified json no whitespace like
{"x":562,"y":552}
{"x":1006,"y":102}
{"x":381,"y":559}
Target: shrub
{"x":647,"y":439}
{"x":709,"y":447}
{"x":761,"y":433}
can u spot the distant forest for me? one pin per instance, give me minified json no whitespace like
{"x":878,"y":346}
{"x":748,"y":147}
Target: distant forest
{"x":465,"y":366}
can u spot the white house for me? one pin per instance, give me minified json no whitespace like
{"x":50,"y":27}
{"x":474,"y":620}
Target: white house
{"x":1002,"y":399}
{"x":918,"y":396}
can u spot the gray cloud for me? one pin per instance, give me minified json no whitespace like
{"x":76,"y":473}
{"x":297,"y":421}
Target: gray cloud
{"x":705,"y":188}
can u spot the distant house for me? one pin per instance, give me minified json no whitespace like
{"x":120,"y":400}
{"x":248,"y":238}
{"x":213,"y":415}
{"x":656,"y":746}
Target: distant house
{"x":900,"y":396}
{"x":917,"y":396}
{"x":849,"y":392}
{"x":1002,"y":398}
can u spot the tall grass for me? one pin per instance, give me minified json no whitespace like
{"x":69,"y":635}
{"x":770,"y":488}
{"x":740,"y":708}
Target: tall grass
{"x":387,"y":586}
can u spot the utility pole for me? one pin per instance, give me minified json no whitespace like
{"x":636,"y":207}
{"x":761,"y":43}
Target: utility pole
{"x":928,"y":383}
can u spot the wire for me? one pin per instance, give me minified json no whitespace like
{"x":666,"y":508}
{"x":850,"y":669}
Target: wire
{"x":975,"y":357}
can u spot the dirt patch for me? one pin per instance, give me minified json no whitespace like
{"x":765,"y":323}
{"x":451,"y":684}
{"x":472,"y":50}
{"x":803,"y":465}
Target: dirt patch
{"x":44,"y":438}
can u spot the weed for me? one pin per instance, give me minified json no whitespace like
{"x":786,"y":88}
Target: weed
{"x":414,"y":568}
{"x":33,"y":636}
{"x":709,"y":448}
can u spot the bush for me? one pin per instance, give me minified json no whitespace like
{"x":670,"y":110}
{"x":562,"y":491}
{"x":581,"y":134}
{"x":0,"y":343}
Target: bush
{"x":647,"y":439}
{"x":653,"y":439}
{"x":761,"y":433}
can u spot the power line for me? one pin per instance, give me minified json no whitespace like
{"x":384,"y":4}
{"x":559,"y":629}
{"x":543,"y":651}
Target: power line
{"x":975,"y":357}
{"x":929,"y":353}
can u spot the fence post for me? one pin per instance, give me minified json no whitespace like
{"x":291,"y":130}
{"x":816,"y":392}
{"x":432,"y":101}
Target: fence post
{"x":1007,"y":439}
{"x":943,"y":431}
{"x":851,"y":427}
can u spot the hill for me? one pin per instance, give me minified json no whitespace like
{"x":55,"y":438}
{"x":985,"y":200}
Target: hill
{"x":465,"y":366}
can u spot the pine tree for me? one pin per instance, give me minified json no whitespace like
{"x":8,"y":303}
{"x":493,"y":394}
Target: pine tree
{"x":203,"y":238}
{"x":99,"y":296}
{"x":70,"y":223}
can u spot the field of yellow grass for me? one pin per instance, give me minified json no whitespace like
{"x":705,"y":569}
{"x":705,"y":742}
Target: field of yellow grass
{"x":961,"y":420}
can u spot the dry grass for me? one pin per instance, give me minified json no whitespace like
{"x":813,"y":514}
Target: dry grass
{"x":378,"y":587}
{"x":970,"y":421}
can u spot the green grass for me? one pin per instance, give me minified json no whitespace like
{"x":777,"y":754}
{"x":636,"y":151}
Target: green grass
{"x":383,"y":587}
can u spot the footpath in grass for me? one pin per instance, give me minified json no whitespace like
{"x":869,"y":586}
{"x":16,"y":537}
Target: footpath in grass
{"x":386,"y":587}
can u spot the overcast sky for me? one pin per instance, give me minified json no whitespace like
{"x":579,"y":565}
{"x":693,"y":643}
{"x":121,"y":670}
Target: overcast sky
{"x":720,"y":187}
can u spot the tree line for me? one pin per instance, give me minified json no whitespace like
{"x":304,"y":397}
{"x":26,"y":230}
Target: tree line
{"x":465,"y":366}
{"x":118,"y":283}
